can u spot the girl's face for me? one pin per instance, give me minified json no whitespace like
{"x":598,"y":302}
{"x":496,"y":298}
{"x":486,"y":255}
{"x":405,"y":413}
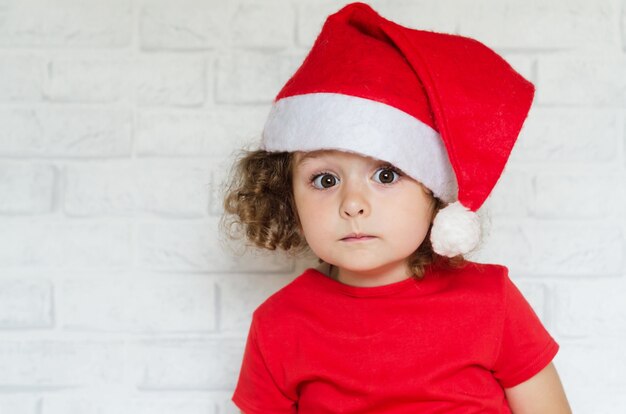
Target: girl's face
{"x":360,"y":214}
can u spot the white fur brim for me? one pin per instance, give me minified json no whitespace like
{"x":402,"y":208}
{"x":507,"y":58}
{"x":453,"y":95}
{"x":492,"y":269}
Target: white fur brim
{"x":318,"y":121}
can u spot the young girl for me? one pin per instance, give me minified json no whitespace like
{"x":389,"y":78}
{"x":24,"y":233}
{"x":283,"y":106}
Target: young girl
{"x":376,"y":155}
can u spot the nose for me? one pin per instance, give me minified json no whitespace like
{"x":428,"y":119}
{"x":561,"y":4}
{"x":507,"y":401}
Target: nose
{"x":354,"y":202}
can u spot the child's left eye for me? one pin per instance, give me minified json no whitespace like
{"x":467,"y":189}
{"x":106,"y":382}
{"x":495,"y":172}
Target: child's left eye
{"x":386,"y":175}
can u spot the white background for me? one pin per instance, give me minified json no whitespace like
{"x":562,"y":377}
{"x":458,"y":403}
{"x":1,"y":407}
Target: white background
{"x":117,"y":120}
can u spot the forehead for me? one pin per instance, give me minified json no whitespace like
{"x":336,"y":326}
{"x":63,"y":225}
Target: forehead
{"x":301,"y":156}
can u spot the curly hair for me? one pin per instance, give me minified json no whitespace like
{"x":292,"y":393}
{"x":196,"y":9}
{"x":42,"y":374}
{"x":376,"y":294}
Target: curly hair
{"x":259,"y":206}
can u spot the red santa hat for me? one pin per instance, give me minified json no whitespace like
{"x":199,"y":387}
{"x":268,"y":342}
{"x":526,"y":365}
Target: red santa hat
{"x":443,"y":108}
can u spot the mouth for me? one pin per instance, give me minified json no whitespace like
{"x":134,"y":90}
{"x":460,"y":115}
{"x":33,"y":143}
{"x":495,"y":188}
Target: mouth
{"x":357,"y":237}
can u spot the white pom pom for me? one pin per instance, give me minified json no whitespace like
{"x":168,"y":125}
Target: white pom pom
{"x":456,"y":230}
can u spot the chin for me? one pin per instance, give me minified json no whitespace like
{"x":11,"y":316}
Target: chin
{"x":364,"y":267}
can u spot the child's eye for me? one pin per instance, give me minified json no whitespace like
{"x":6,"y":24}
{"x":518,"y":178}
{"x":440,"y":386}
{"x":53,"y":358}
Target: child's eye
{"x":325,"y":180}
{"x":386,"y":175}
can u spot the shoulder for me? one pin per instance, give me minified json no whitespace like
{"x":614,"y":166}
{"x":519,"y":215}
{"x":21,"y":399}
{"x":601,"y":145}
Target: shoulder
{"x":480,"y":278}
{"x":286,"y":298}
{"x":486,"y":269}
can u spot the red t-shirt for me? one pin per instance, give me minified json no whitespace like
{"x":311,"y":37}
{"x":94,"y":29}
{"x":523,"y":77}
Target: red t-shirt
{"x":448,"y":343}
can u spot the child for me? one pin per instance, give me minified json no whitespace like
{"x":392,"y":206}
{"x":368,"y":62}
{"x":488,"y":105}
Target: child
{"x":376,"y":155}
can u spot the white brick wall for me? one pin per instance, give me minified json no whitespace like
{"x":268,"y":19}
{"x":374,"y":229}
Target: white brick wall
{"x":117,"y":119}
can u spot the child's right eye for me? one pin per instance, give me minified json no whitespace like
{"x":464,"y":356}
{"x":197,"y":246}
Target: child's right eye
{"x":322,"y":181}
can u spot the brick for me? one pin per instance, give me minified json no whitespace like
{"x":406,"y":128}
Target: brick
{"x":87,"y":132}
{"x":596,"y":367}
{"x":500,"y":25}
{"x":22,"y":133}
{"x":241,"y":294}
{"x":512,"y":194}
{"x":186,"y":364}
{"x":623,"y":25}
{"x":101,"y":403}
{"x":568,"y":135}
{"x":174,"y":189}
{"x":197,"y":246}
{"x":100,"y":189}
{"x":19,"y":404}
{"x":263,"y":25}
{"x":217,"y":132}
{"x":76,"y":132}
{"x":156,"y":132}
{"x":219,"y":177}
{"x":538,"y":24}
{"x":66,"y":23}
{"x":163,"y":305}
{"x":25,"y":304}
{"x":21,"y":77}
{"x":418,"y":14}
{"x":574,"y":195}
{"x":171,"y":81}
{"x":253,"y":77}
{"x":98,"y":80}
{"x":184,"y":25}
{"x":64,"y":244}
{"x":46,"y":363}
{"x":56,"y":405}
{"x":310,"y":19}
{"x":150,"y":80}
{"x":26,"y":188}
{"x":503,"y":242}
{"x":181,"y":405}
{"x":582,"y":81}
{"x":123,"y":188}
{"x":592,"y":308}
{"x":575,"y":248}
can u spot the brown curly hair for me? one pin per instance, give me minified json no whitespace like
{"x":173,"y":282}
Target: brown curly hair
{"x":259,"y":206}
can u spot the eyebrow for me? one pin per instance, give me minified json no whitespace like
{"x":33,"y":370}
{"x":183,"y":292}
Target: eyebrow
{"x":319,"y":153}
{"x":309,"y":154}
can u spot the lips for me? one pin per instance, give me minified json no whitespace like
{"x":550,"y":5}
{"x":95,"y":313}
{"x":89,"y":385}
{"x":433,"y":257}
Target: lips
{"x":358,"y":237}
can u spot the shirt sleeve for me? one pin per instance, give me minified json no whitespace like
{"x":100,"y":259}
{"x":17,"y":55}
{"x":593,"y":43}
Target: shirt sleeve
{"x":256,"y":391}
{"x":525,"y":347}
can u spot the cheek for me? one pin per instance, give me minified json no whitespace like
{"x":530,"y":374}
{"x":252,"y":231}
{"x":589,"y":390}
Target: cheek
{"x":306,"y":216}
{"x":409,"y":225}
{"x":313,"y":230}
{"x":306,"y":208}
{"x":312,"y":219}
{"x":411,"y":221}
{"x":314,"y":223}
